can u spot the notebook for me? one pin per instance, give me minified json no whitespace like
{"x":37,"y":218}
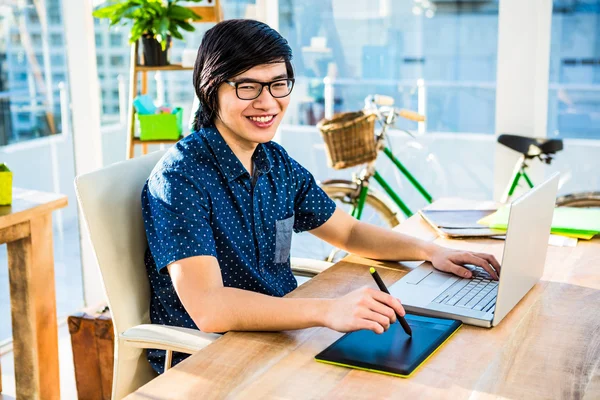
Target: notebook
{"x":582,"y":223}
{"x":392,"y":352}
{"x":460,"y":223}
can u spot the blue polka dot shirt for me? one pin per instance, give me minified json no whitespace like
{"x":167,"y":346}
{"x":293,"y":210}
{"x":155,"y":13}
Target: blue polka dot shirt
{"x":200,"y":200}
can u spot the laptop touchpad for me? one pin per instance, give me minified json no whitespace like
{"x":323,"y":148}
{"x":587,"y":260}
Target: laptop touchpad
{"x":434,"y":279}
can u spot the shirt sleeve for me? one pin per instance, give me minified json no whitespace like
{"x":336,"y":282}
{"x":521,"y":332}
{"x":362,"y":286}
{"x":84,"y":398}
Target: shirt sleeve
{"x":312,"y":206}
{"x":176,"y":218}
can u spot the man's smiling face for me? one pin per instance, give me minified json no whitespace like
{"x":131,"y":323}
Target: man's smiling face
{"x":249,"y":122}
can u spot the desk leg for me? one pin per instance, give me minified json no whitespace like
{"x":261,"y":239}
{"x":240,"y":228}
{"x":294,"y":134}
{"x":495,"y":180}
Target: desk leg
{"x":33,"y":309}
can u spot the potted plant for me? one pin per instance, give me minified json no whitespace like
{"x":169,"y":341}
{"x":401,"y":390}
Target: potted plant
{"x":153,"y":21}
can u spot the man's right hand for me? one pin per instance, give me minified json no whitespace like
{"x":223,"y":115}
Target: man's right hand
{"x":364,"y":308}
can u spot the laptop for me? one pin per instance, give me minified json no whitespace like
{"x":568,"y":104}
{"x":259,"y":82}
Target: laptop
{"x":481,"y":301}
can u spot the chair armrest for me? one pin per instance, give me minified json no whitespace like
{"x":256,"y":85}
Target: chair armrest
{"x":308,"y":267}
{"x":164,"y":337}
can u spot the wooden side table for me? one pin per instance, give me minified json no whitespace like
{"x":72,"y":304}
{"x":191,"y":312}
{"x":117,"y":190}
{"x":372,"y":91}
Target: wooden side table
{"x":26,"y":228}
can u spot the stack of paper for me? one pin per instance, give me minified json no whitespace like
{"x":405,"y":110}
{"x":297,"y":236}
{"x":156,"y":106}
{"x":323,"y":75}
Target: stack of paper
{"x":581,"y":223}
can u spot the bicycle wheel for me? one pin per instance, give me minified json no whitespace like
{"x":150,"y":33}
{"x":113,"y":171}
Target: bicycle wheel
{"x":584,"y":199}
{"x":377,"y":211}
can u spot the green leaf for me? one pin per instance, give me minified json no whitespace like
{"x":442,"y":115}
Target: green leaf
{"x":132,"y":12}
{"x":163,"y":25}
{"x":181,"y":13}
{"x":185,"y":26}
{"x":175,"y":32}
{"x":106,"y":11}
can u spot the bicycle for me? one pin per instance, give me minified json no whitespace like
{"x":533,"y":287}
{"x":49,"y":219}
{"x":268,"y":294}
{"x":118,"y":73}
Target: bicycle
{"x":359,"y":196}
{"x":363,"y":148}
{"x":544,"y":150}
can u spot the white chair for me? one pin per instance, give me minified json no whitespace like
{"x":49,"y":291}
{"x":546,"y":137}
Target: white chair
{"x":110,"y":201}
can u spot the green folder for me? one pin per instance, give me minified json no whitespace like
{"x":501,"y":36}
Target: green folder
{"x":582,"y":223}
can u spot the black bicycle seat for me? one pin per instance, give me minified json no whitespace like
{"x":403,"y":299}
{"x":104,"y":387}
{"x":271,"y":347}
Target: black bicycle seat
{"x":531,"y":147}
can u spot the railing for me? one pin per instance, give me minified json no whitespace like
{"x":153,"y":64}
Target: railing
{"x":420,"y":87}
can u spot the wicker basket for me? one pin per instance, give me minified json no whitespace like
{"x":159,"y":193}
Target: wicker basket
{"x":349,"y":139}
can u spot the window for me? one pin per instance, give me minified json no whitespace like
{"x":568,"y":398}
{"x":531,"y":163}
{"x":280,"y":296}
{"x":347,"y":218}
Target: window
{"x":117,"y":61}
{"x":33,"y":17}
{"x":30,"y":110}
{"x":36,"y":39}
{"x":20,"y":76}
{"x":56,"y":39}
{"x":99,"y":40}
{"x":58,"y":78}
{"x":116,"y":40}
{"x":99,"y":60}
{"x":54,"y":16}
{"x":388,"y":47}
{"x":574,"y":92}
{"x":57,"y":59}
{"x":23,"y":117}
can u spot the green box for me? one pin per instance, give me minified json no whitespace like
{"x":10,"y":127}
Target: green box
{"x":161,"y":126}
{"x":6,"y":178}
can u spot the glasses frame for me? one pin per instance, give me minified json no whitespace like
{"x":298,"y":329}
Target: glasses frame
{"x":263,"y":84}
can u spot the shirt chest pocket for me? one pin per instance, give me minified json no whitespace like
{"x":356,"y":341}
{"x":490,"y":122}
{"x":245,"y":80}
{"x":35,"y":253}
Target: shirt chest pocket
{"x":283,"y":239}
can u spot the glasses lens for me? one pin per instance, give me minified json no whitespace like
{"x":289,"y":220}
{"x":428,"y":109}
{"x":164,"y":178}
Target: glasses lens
{"x":281,"y":88}
{"x":248,"y":90}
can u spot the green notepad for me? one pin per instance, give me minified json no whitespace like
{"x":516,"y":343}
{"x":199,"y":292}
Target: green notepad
{"x":393,"y":352}
{"x":570,"y":221}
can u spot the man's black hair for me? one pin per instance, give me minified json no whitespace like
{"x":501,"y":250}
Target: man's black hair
{"x":228,"y":49}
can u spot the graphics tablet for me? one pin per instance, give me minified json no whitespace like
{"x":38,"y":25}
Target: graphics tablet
{"x":392,"y":352}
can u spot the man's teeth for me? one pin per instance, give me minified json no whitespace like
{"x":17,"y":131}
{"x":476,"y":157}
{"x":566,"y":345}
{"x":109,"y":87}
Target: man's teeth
{"x":261,"y":119}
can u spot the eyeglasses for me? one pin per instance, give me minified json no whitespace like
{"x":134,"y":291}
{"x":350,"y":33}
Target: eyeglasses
{"x":250,"y":90}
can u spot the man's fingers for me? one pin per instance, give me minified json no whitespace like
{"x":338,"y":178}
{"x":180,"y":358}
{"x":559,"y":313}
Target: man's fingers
{"x":389,"y":301}
{"x":491,"y":259}
{"x":383,"y":309}
{"x":473,"y":259}
{"x":459,"y":270}
{"x":378,"y":318}
{"x":372,"y":326}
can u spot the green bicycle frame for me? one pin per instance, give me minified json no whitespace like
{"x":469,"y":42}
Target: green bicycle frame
{"x":358,"y":208}
{"x":520,"y":173}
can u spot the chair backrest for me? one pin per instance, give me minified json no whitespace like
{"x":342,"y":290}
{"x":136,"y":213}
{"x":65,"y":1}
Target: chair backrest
{"x":110,"y":201}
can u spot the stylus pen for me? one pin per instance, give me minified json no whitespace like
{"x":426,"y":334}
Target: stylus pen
{"x":382,"y":287}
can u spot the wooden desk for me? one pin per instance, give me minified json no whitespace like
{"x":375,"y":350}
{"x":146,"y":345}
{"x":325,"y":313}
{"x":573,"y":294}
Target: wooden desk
{"x":26,"y":228}
{"x":547,"y":347}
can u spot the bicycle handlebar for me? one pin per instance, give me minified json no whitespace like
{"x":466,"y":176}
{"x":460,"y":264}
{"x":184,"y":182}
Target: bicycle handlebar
{"x":383,"y":105}
{"x":411,"y":115}
{"x":381,"y":100}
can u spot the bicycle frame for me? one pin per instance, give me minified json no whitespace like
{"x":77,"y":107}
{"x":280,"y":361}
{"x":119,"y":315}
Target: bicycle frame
{"x":518,"y":173}
{"x":357,"y":209}
{"x":370,"y":171}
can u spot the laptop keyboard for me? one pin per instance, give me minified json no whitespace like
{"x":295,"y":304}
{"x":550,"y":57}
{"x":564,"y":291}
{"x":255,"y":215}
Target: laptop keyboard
{"x":478,"y":293}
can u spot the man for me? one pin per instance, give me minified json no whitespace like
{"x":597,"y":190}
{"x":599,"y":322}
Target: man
{"x":220,"y":207}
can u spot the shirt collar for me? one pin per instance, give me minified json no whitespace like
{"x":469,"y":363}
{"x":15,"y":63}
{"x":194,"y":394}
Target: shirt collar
{"x":228,"y":162}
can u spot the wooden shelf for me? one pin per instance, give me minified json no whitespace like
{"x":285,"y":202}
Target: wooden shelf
{"x":212,"y":13}
{"x":170,"y":67}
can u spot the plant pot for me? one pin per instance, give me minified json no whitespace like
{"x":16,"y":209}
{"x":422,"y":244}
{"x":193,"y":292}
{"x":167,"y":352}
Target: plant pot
{"x":153,"y":53}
